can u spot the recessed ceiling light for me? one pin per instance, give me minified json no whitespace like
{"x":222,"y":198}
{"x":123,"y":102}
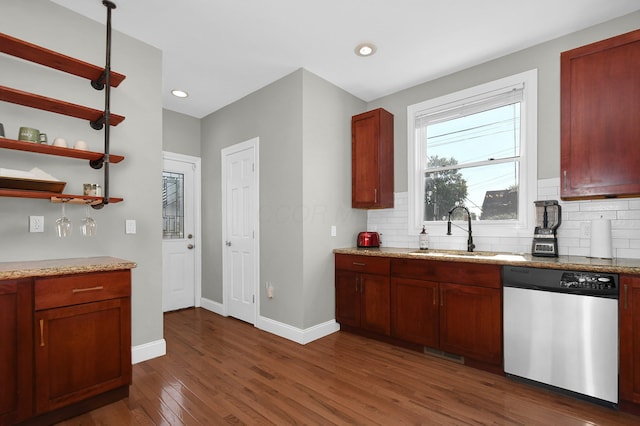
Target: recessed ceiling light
{"x":365,"y":49}
{"x":179,"y":93}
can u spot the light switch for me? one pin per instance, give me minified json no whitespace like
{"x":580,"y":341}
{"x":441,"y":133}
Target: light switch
{"x":130,"y":226}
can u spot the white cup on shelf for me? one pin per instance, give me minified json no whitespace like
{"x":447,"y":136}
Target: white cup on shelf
{"x":81,"y":145}
{"x":60,"y":142}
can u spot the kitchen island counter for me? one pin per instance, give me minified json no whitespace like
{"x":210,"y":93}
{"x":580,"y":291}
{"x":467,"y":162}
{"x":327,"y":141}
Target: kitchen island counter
{"x":620,"y":266}
{"x":44,"y":268}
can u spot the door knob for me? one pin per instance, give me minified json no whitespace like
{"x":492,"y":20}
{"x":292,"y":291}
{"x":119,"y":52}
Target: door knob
{"x":190,"y":246}
{"x":190,"y":236}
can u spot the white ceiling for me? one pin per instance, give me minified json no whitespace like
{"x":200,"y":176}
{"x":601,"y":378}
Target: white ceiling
{"x":222,"y":50}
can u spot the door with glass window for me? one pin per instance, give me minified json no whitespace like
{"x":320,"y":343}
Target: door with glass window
{"x":178,"y":242}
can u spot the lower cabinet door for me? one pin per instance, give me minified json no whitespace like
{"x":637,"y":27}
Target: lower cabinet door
{"x":470,"y":322}
{"x":630,"y":338}
{"x":375,"y":307}
{"x":414,"y":311}
{"x":348,"y":298}
{"x":16,"y":362}
{"x":81,"y":351}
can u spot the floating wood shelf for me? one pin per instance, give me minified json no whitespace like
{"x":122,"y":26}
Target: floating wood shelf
{"x":55,"y":197}
{"x":32,"y":100}
{"x":100,"y":77}
{"x":33,"y":53}
{"x":56,"y":150}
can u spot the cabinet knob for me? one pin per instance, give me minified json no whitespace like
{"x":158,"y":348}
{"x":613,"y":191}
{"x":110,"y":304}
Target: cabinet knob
{"x":190,"y":246}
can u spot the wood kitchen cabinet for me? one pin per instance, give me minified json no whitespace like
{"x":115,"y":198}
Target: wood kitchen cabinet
{"x":82,"y":330}
{"x":471,"y":322}
{"x":452,"y":307}
{"x":16,"y":349}
{"x":630,"y":343}
{"x":600,"y":130}
{"x":372,"y":160}
{"x":414,"y":311}
{"x":362,"y":293}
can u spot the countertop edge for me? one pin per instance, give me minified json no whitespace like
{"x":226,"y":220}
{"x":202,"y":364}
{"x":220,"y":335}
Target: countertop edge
{"x":620,"y":266}
{"x":46,"y":268}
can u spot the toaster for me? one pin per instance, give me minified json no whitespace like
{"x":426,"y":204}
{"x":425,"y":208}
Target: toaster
{"x":368,"y":239}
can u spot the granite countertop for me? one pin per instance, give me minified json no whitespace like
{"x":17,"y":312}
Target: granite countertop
{"x":620,"y":266}
{"x":43,"y":268}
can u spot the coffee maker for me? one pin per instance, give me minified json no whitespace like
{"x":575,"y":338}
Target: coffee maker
{"x":545,"y":242}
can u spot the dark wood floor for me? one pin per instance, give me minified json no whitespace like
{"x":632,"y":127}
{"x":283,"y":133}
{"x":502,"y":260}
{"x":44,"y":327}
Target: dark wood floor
{"x":222,"y":371}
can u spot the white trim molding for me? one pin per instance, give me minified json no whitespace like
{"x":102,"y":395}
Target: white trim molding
{"x":295,"y":334}
{"x":147,"y":351}
{"x":301,"y":336}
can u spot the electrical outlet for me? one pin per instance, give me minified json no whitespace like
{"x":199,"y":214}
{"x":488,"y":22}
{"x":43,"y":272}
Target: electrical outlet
{"x":36,"y":223}
{"x":585,"y":229}
{"x":130,"y":226}
{"x":333,"y":231}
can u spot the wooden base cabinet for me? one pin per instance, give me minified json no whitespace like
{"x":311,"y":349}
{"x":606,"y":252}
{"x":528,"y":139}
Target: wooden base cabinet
{"x":79,"y":352}
{"x":83,"y":345}
{"x":415,"y":311}
{"x":362,"y":293}
{"x":471,"y":322}
{"x":462,"y":316}
{"x":16,"y":348}
{"x":630,"y":343}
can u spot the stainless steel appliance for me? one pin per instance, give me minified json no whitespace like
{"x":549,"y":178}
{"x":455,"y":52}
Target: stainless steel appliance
{"x":561,"y":329}
{"x":548,"y":219}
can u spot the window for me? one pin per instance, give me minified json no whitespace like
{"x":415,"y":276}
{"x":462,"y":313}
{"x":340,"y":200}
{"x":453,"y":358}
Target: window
{"x":475,"y":148}
{"x":172,"y":205}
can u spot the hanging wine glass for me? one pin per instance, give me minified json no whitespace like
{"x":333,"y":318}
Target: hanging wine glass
{"x":63,"y":224}
{"x":88,"y":223}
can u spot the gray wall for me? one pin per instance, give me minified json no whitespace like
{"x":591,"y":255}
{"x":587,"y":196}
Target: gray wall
{"x":545,"y":57}
{"x":181,"y":133}
{"x":326,"y":196}
{"x":299,"y":178}
{"x":138,"y":138}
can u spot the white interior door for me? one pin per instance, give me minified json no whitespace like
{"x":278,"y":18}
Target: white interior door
{"x":240,"y":230}
{"x":180,"y":226}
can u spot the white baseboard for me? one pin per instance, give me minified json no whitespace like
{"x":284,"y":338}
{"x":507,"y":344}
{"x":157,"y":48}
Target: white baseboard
{"x":286,"y":331}
{"x":295,"y":334}
{"x":213,"y":306}
{"x":148,"y":351}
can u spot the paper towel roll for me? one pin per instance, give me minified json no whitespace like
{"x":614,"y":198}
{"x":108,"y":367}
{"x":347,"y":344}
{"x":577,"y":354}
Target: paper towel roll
{"x":601,"y":238}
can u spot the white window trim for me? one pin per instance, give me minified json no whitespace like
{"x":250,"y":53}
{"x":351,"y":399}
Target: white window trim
{"x":528,"y":186}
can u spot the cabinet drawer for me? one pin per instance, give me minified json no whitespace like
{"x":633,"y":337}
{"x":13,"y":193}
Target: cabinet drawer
{"x":81,"y":288}
{"x":468,"y":273}
{"x":368,"y":264}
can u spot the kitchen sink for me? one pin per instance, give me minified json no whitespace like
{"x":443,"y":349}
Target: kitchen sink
{"x":471,"y":255}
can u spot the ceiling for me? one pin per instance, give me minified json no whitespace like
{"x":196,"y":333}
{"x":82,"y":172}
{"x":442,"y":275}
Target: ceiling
{"x":222,"y":50}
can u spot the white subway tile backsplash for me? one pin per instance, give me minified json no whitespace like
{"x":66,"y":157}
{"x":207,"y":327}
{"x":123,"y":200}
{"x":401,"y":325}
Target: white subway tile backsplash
{"x":576,"y":218}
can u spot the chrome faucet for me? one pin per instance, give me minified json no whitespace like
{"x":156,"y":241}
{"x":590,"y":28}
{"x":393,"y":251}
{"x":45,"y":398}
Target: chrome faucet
{"x":470,"y":245}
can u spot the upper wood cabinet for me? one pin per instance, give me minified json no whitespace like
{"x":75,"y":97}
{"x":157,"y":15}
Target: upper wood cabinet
{"x":372,"y":160}
{"x":600,"y":126}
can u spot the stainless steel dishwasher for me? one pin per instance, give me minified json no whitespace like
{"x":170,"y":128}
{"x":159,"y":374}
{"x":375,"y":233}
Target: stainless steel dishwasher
{"x":561,"y":330}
